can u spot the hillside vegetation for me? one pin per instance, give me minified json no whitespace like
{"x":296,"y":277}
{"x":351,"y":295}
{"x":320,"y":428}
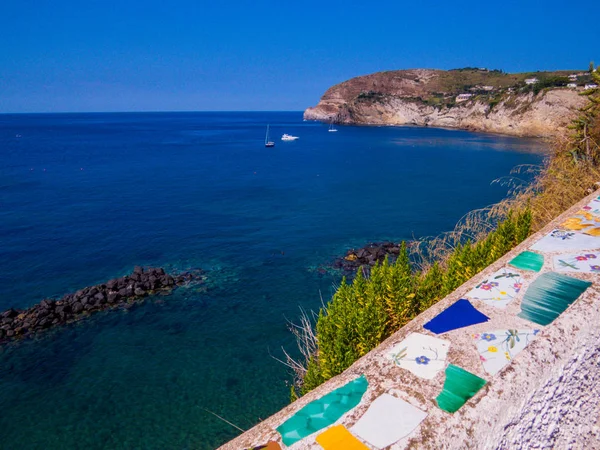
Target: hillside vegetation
{"x":522,"y":104}
{"x":439,"y":87}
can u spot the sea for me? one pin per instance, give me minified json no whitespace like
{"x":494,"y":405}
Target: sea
{"x":86,"y":197}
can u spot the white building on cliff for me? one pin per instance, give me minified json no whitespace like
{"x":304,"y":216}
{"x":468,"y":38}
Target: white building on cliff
{"x":463,"y":97}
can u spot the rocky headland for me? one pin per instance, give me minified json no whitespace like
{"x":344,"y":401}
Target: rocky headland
{"x":538,"y":104}
{"x":119,"y":292}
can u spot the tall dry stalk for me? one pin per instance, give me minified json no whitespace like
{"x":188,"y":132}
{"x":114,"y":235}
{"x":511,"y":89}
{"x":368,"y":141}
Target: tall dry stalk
{"x":561,"y":183}
{"x":306,"y":339}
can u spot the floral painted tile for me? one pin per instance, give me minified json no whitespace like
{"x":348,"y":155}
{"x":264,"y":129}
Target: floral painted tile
{"x":499,"y":289}
{"x":583,"y":221}
{"x":420,"y":354}
{"x":593,"y":207}
{"x":583,"y":262}
{"x":497,"y":348}
{"x":566,"y":240}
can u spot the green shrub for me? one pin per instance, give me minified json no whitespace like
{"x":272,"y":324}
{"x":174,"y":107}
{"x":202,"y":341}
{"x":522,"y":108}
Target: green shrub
{"x":363,"y":313}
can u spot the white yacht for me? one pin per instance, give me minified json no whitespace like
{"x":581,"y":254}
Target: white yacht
{"x":289,"y":137}
{"x":331,"y":128}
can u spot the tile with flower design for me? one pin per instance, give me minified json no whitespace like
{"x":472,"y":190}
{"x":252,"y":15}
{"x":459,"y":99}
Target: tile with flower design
{"x":588,"y":262}
{"x":498,"y":348}
{"x":499,"y":289}
{"x":566,"y":240}
{"x":583,"y":221}
{"x":422,"y":355}
{"x":593,"y":207}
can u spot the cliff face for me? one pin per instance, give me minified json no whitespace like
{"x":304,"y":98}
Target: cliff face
{"x":499,"y":103}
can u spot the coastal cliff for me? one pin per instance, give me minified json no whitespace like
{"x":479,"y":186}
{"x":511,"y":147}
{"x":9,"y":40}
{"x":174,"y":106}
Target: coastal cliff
{"x":470,"y":99}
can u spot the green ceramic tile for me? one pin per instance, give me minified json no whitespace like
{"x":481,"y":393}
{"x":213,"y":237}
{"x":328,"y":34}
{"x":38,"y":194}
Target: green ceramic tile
{"x":323,"y":412}
{"x":459,"y":387}
{"x":549,"y":295}
{"x":528,"y":261}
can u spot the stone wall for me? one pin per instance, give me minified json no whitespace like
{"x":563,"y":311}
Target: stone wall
{"x":547,"y":397}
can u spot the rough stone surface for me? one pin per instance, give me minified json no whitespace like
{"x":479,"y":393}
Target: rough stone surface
{"x":547,"y":397}
{"x":563,"y":411}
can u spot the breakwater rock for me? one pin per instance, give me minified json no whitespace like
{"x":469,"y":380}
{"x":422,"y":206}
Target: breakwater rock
{"x":367,"y":256}
{"x":119,"y":292}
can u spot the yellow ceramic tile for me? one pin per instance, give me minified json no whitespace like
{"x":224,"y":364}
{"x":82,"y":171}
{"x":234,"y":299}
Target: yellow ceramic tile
{"x":339,"y":438}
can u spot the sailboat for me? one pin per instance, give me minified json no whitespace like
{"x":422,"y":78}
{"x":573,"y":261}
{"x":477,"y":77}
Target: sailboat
{"x":331,"y":129}
{"x":268,"y":143}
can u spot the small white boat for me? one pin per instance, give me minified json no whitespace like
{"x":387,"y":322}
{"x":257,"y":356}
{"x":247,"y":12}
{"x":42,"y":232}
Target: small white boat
{"x":268,"y":142}
{"x":289,"y":137}
{"x":331,"y":129}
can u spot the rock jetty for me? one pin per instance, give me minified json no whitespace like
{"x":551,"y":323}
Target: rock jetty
{"x":367,"y":256}
{"x":119,"y":292}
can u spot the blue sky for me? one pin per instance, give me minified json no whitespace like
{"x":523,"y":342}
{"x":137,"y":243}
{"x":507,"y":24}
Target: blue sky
{"x":108,"y":55}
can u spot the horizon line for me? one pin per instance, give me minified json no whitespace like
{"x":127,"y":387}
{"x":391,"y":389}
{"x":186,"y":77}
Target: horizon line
{"x":158,"y":111}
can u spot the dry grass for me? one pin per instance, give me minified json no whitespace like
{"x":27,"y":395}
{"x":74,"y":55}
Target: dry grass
{"x":561,"y":183}
{"x":472,"y":227}
{"x":557,"y":184}
{"x":306,"y":339}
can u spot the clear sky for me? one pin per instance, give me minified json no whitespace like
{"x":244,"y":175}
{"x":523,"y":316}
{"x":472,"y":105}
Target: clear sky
{"x":153,"y":55}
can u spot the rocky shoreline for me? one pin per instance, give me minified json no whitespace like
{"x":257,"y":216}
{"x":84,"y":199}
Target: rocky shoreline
{"x":119,"y":292}
{"x":367,"y":256}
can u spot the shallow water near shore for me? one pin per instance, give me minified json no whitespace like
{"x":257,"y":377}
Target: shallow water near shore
{"x":86,"y":197}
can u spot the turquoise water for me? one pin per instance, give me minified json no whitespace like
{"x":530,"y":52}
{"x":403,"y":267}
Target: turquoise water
{"x":85,"y":197}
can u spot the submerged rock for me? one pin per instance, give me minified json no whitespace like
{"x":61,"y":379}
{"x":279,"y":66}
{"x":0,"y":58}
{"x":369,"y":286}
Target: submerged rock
{"x":367,"y":256}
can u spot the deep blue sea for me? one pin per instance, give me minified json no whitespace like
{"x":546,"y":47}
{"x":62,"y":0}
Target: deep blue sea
{"x":86,"y":197}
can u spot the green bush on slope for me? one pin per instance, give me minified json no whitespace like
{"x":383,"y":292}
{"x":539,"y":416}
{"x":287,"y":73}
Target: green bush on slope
{"x":368,"y":310}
